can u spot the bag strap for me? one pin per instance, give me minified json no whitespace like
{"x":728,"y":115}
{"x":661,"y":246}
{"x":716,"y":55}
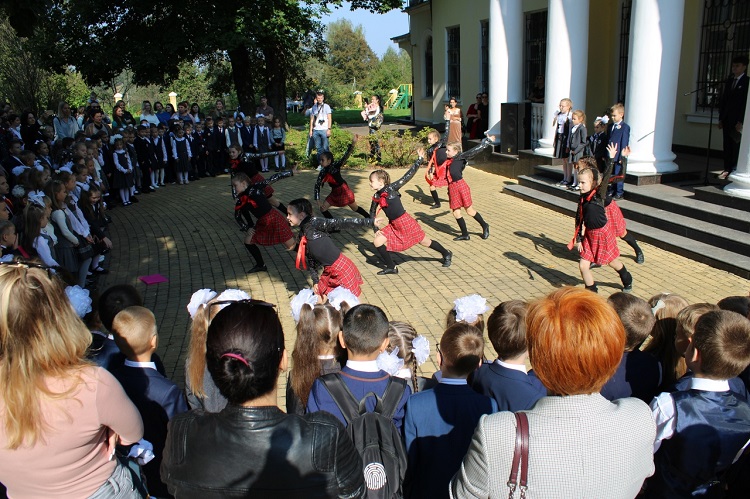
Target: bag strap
{"x":342,"y":396}
{"x":392,"y":396}
{"x":520,"y":465}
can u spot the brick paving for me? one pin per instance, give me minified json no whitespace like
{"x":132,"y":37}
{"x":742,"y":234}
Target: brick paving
{"x":188,"y":234}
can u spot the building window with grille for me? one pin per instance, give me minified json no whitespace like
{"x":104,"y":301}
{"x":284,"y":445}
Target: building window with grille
{"x":428,"y":67}
{"x":725,"y":33}
{"x":484,"y":77}
{"x":535,"y":62}
{"x":624,"y":50}
{"x":453,"y":80}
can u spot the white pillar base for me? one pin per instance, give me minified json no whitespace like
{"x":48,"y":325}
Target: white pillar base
{"x":546,"y":147}
{"x":655,"y":166}
{"x":740,"y":186}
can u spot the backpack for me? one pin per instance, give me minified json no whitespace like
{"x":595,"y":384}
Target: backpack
{"x":374,"y":435}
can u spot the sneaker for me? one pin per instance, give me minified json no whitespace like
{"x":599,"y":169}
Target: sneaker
{"x":447,"y":259}
{"x":258,"y":268}
{"x":387,"y":271}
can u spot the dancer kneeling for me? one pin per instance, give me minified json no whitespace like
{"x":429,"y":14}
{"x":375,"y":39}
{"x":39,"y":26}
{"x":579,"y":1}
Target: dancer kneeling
{"x":317,"y":248}
{"x":271,"y":228}
{"x":595,"y":237}
{"x":402,"y":231}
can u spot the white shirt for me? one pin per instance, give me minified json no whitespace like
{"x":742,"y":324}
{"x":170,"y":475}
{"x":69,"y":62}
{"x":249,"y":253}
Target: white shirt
{"x":365,"y":366}
{"x":664,"y":410}
{"x":453,"y":381}
{"x":321,"y":113}
{"x":515,"y":367}
{"x":45,"y":254}
{"x":148,"y":365}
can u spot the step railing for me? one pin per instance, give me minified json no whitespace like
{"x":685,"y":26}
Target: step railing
{"x":537,"y":123}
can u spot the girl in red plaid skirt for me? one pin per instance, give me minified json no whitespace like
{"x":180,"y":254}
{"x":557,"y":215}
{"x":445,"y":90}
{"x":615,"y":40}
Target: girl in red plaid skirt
{"x":341,"y":195}
{"x":402,"y":231}
{"x":437,"y":165}
{"x":317,"y":249}
{"x":243,"y":163}
{"x":595,"y":238}
{"x":459,"y":194}
{"x":271,"y":227}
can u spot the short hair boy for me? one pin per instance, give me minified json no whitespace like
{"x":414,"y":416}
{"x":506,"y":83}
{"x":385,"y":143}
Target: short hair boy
{"x":157,"y":398}
{"x":701,"y":431}
{"x":450,"y":408}
{"x":506,"y":380}
{"x":364,"y":337}
{"x":638,"y":374}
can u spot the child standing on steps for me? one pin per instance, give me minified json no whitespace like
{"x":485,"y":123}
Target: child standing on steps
{"x":402,"y":231}
{"x":341,"y":195}
{"x":459,"y":194}
{"x":562,"y":125}
{"x":595,"y":236}
{"x":576,"y":145}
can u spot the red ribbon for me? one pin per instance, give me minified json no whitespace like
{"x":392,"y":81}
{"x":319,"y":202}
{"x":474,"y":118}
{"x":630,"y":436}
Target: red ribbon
{"x":572,"y":243}
{"x":382,"y":200}
{"x":301,"y":250}
{"x":234,"y":164}
{"x":328,"y":179}
{"x":243,"y":201}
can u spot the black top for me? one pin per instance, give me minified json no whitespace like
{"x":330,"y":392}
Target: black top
{"x":456,"y":167}
{"x":321,"y":250}
{"x":592,"y":205}
{"x":389,"y":199}
{"x":253,"y":201}
{"x":331,"y":174}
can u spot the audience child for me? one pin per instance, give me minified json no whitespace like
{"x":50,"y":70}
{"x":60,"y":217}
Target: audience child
{"x":36,"y":217}
{"x":598,"y":142}
{"x":364,"y":336}
{"x":278,"y":143}
{"x":703,"y":430}
{"x":562,"y":125}
{"x":576,"y":145}
{"x":104,"y":350}
{"x":181,"y":154}
{"x":506,"y":380}
{"x":440,"y":422}
{"x":619,"y":136}
{"x":639,"y":374}
{"x":741,"y":305}
{"x":262,"y":142}
{"x":317,"y":351}
{"x":406,"y":351}
{"x":232,"y":134}
{"x":123,"y":176}
{"x":8,"y":238}
{"x":665,"y":307}
{"x":157,"y":398}
{"x":201,"y":153}
{"x":67,"y":241}
{"x":145,"y":163}
{"x":160,"y":152}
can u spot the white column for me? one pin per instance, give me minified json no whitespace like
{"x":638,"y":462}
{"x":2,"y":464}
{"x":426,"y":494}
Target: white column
{"x":567,"y":61}
{"x":655,"y":44}
{"x":506,"y":57}
{"x":740,"y":185}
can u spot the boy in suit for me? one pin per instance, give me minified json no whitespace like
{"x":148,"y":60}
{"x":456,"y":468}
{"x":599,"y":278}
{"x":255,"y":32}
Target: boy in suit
{"x":440,"y":422}
{"x":156,"y":397}
{"x":638,"y":374}
{"x":506,"y":380}
{"x":364,"y":337}
{"x":619,"y":135}
{"x":703,"y":430}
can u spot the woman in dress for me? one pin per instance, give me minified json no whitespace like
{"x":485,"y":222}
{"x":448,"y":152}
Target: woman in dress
{"x":454,"y":115}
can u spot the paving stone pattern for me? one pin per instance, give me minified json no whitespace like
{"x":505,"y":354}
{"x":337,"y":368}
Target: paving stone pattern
{"x":188,"y":234}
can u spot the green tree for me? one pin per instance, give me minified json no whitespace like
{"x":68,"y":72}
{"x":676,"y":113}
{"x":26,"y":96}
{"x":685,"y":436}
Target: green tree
{"x":392,"y":70}
{"x":350,"y":58}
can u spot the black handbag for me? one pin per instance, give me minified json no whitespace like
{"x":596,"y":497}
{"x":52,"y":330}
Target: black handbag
{"x":85,"y":249}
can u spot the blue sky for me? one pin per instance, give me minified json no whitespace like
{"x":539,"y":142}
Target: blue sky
{"x":379,"y":28}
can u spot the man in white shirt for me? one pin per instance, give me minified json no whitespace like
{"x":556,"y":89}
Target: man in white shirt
{"x":320,"y":123}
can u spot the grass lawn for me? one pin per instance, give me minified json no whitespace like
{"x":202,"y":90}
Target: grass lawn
{"x":349,"y":116}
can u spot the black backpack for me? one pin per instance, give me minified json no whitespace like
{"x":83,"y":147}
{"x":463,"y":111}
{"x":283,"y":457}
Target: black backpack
{"x":374,"y":435}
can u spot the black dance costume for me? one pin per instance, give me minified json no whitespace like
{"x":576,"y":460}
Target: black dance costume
{"x":341,"y":195}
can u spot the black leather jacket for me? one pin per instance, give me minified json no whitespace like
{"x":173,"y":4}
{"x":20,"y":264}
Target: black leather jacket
{"x":260,"y":452}
{"x":321,"y":250}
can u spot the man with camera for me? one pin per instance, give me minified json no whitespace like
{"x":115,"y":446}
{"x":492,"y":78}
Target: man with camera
{"x":320,"y":123}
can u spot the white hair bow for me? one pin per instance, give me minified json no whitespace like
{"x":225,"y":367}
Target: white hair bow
{"x":469,"y":307}
{"x":305,"y":296}
{"x":200,"y":298}
{"x":340,"y":295}
{"x":79,"y":299}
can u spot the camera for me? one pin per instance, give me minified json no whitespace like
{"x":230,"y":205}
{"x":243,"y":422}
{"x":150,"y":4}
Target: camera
{"x":320,"y":122}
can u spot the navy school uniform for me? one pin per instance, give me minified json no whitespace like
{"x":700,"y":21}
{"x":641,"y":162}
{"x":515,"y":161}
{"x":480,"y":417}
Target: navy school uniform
{"x":438,"y":428}
{"x":619,"y":134}
{"x":511,"y":389}
{"x":638,"y":375}
{"x":248,"y":138}
{"x":199,"y":153}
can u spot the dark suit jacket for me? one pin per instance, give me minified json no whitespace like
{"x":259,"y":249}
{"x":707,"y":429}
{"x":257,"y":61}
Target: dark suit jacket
{"x":511,"y":389}
{"x":732,"y":106}
{"x":620,"y":135}
{"x":638,"y":375}
{"x":158,"y":400}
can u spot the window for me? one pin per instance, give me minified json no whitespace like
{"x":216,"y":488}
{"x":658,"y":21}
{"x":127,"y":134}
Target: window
{"x":624,"y":49}
{"x":536,"y":47}
{"x":428,"y":67}
{"x":453,"y":81}
{"x":484,"y":77}
{"x":725,"y":33}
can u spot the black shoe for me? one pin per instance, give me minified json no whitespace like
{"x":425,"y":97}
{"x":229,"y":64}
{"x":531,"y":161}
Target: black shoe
{"x":108,"y":219}
{"x":447,"y":259}
{"x":434,"y":206}
{"x":387,"y":271}
{"x":594,"y":266}
{"x":258,"y":268}
{"x":486,"y":232}
{"x":462,"y":238}
{"x":618,"y":197}
{"x":627,"y":283}
{"x":639,"y":258}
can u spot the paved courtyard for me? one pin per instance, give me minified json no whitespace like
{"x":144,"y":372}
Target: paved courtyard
{"x":188,"y":234}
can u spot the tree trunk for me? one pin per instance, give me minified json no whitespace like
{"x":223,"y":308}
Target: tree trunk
{"x":243,"y":83}
{"x":276,"y":75}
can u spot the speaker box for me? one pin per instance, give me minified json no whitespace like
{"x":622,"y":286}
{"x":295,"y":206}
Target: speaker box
{"x":515,"y":127}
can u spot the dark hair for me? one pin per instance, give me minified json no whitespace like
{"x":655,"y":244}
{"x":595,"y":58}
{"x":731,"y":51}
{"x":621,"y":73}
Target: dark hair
{"x":301,"y":205}
{"x":506,"y":328}
{"x":244,"y":346}
{"x":115,"y":299}
{"x":326,"y":154}
{"x":462,"y":347}
{"x":723,"y":339}
{"x":365,"y":329}
{"x":740,"y":59}
{"x":636,"y":317}
{"x":739,"y":304}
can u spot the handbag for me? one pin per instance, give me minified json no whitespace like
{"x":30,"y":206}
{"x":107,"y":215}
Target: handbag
{"x":519,"y":469}
{"x":85,"y":249}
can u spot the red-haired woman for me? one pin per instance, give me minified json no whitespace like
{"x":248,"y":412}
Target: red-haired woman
{"x":580,"y":444}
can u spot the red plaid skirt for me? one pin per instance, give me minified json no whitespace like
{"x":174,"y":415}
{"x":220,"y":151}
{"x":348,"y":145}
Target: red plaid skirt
{"x":402,"y":233}
{"x":614,"y":217}
{"x":340,"y":196}
{"x":600,"y":245}
{"x":459,"y":194}
{"x":343,"y":273}
{"x":439,"y":179}
{"x":272,"y":228}
{"x":268,"y":190}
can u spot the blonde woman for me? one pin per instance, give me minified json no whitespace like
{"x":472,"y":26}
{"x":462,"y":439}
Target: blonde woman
{"x":60,"y":416}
